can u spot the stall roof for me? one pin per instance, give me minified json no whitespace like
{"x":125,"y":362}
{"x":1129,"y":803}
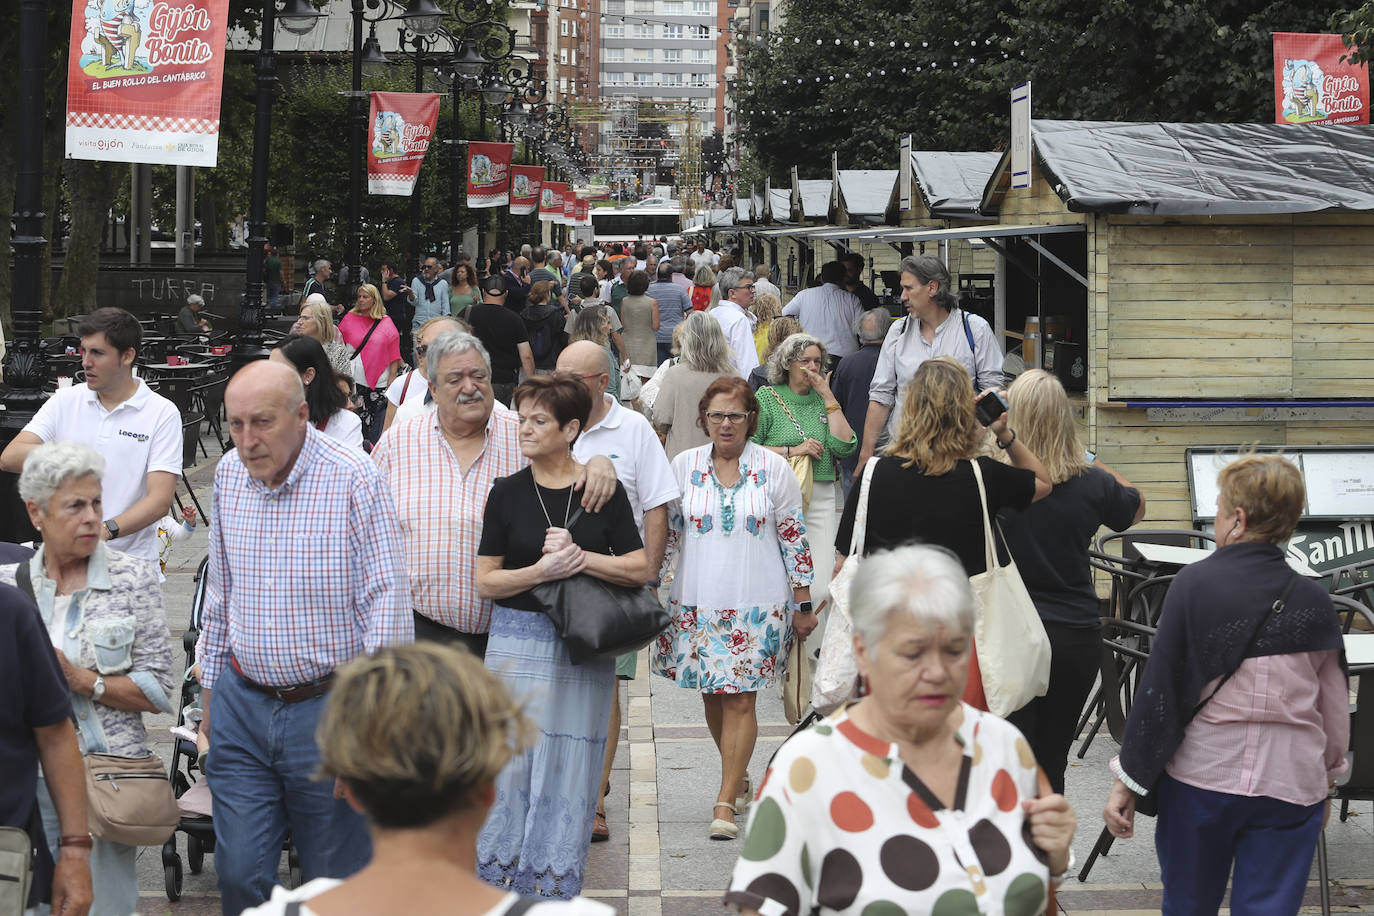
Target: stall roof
{"x":865,"y":192}
{"x":993,"y":231}
{"x":1200,"y":169}
{"x":815,"y":198}
{"x":779,"y":204}
{"x":742,"y":208}
{"x":952,"y":183}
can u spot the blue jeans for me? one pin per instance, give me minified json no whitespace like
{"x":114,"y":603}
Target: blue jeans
{"x":114,"y":875}
{"x":261,"y":766}
{"x":1202,"y":833}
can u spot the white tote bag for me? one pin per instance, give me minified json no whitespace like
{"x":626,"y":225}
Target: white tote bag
{"x":1013,"y":650}
{"x":837,"y":671}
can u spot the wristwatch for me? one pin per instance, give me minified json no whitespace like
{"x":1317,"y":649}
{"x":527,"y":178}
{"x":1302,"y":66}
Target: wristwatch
{"x":98,"y":688}
{"x":804,"y":608}
{"x":112,"y":527}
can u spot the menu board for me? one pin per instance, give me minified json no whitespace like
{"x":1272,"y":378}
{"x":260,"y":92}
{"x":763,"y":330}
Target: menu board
{"x":1339,"y":479}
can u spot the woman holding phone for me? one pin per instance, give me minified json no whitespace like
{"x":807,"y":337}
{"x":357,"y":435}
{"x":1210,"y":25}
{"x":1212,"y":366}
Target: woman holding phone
{"x":923,"y":487}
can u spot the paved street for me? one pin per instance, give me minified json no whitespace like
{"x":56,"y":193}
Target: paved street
{"x":659,"y":862}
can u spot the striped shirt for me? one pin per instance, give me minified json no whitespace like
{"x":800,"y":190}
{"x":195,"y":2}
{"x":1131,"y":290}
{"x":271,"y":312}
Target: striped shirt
{"x":304,"y":577}
{"x":440,"y":505}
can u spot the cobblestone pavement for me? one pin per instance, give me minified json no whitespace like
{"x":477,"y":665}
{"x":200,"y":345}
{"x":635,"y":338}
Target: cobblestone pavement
{"x":659,"y":861}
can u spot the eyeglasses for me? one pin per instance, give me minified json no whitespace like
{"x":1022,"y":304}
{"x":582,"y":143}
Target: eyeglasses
{"x":431,"y":267}
{"x":716,"y":417}
{"x":421,"y":350}
{"x":747,"y":287}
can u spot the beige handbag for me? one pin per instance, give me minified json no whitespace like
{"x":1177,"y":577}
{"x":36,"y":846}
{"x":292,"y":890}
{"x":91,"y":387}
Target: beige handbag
{"x":801,"y":464}
{"x":16,"y":869}
{"x":1013,"y":650}
{"x":130,"y":800}
{"x":796,"y":682}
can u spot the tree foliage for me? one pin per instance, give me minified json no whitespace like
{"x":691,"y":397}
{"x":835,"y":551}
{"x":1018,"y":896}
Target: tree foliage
{"x":943,"y":74}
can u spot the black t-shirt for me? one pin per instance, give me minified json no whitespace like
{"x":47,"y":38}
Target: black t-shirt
{"x":1050,"y":539}
{"x":513,"y":526}
{"x":36,"y":696}
{"x":517,"y":292}
{"x":400,"y":309}
{"x":906,"y":506}
{"x":501,"y":331}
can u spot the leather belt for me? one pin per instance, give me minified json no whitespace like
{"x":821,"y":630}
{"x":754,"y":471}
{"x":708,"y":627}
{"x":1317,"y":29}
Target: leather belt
{"x":296,"y":693}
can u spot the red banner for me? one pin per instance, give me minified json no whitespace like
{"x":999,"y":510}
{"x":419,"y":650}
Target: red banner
{"x":569,"y":208}
{"x":551,"y":201}
{"x":402,"y":128}
{"x":489,"y":174}
{"x":583,"y":213}
{"x":1313,"y":86}
{"x":525,"y":184}
{"x":143,"y":80}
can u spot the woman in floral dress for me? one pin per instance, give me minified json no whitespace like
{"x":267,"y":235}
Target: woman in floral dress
{"x":742,"y":587}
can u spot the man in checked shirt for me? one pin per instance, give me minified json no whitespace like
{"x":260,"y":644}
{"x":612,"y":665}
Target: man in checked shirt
{"x":306,"y":572}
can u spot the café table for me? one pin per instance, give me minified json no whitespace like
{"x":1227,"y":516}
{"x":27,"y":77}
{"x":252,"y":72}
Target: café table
{"x":1172,"y":555}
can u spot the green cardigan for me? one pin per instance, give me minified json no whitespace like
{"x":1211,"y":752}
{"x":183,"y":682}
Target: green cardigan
{"x":776,"y":430}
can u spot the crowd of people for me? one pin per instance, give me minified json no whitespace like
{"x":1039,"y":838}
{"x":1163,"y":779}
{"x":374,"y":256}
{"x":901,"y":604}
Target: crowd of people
{"x":408,"y":476}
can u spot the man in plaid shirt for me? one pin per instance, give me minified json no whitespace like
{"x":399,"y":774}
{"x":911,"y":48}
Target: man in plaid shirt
{"x":306,"y":572}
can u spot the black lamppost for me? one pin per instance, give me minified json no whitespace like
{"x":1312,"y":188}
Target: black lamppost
{"x":297,"y":17}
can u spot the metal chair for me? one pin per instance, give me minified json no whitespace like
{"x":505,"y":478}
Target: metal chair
{"x":207,"y":398}
{"x":1359,"y":778}
{"x":190,"y":437}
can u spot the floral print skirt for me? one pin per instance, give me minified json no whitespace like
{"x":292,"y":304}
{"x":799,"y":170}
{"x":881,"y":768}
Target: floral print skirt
{"x":726,"y":650}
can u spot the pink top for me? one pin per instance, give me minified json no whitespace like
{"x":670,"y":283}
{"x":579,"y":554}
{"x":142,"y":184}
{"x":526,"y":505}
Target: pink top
{"x":1279,"y":728}
{"x":383,"y":349}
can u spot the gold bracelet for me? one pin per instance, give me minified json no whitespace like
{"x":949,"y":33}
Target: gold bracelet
{"x":831,"y":408}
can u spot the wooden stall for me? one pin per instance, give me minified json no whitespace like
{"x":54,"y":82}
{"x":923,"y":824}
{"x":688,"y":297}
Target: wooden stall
{"x":1226,"y":272}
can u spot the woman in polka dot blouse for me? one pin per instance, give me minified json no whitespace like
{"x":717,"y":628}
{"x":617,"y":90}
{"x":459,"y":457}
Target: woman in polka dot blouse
{"x":909,"y":801}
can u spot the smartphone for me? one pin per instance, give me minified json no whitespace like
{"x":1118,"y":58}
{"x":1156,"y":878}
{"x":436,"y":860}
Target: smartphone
{"x":989,"y":407}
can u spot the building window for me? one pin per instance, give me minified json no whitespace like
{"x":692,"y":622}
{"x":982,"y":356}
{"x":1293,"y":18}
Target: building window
{"x":701,"y":56}
{"x":563,"y":85}
{"x":572,"y":87}
{"x":614,"y":78}
{"x":562,"y":27}
{"x":614,"y":55}
{"x":615,"y":7}
{"x":643,"y":31}
{"x":701,"y":32}
{"x":699,"y":79}
{"x":674,"y":7}
{"x":672,"y":79}
{"x":703,"y":8}
{"x":643,"y":78}
{"x":572,"y":28}
{"x":562,"y":55}
{"x":615,"y":31}
{"x":672,"y":55}
{"x":672,"y":32}
{"x":644,"y":6}
{"x":643,"y":55}
{"x":572,"y":57}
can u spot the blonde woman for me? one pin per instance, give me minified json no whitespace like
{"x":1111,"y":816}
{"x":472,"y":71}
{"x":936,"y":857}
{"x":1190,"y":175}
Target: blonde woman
{"x":766,"y":308}
{"x":703,"y":288}
{"x":781,"y":328}
{"x":317,"y":320}
{"x":924,"y":489}
{"x":415,"y":737}
{"x":369,"y":334}
{"x":593,"y":323}
{"x":1049,"y":541}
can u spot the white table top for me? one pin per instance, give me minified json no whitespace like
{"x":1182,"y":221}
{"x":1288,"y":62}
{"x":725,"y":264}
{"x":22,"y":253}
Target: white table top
{"x":1183,"y":556}
{"x":1359,"y":649}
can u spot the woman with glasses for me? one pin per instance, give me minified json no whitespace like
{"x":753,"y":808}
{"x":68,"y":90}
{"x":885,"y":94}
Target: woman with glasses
{"x":742,"y":586}
{"x":317,"y":320}
{"x":800,"y":419}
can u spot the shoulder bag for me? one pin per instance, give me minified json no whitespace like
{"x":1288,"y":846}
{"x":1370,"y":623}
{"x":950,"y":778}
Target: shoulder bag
{"x":801,"y":464}
{"x":129,"y":799}
{"x":355,"y":362}
{"x":837,"y":671}
{"x":1013,"y":650}
{"x":17,"y":855}
{"x":1148,"y":805}
{"x":599,"y":619}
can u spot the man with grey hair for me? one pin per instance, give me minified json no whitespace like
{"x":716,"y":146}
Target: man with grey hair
{"x":851,"y":380}
{"x":440,"y":467}
{"x":320,"y":271}
{"x":763,"y":285}
{"x":288,"y":601}
{"x":189,"y":320}
{"x":736,"y":290}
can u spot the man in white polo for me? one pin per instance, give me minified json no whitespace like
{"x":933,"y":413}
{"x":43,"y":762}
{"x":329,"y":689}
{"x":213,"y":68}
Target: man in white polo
{"x":136,"y":430}
{"x":627,"y":439}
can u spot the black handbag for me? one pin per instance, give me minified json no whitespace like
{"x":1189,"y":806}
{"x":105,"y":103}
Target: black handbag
{"x":1148,"y":805}
{"x":598,"y":619}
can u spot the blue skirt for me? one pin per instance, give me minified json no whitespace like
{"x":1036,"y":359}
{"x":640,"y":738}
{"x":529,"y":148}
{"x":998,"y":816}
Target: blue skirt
{"x":536,"y":836}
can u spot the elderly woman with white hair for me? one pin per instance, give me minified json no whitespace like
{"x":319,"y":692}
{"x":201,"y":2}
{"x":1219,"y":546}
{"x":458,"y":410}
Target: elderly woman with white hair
{"x":908,"y":801}
{"x":189,"y":320}
{"x":800,"y":419}
{"x":103,"y":610}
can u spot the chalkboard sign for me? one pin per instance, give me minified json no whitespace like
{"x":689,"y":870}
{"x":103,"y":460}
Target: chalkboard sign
{"x":1339,"y":479}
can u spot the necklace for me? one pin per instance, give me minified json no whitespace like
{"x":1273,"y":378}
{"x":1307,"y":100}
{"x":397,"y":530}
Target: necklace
{"x":727,"y":500}
{"x":539,"y":496}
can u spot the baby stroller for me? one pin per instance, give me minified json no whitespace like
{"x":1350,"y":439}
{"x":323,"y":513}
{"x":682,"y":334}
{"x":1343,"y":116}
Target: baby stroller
{"x":186,"y":776}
